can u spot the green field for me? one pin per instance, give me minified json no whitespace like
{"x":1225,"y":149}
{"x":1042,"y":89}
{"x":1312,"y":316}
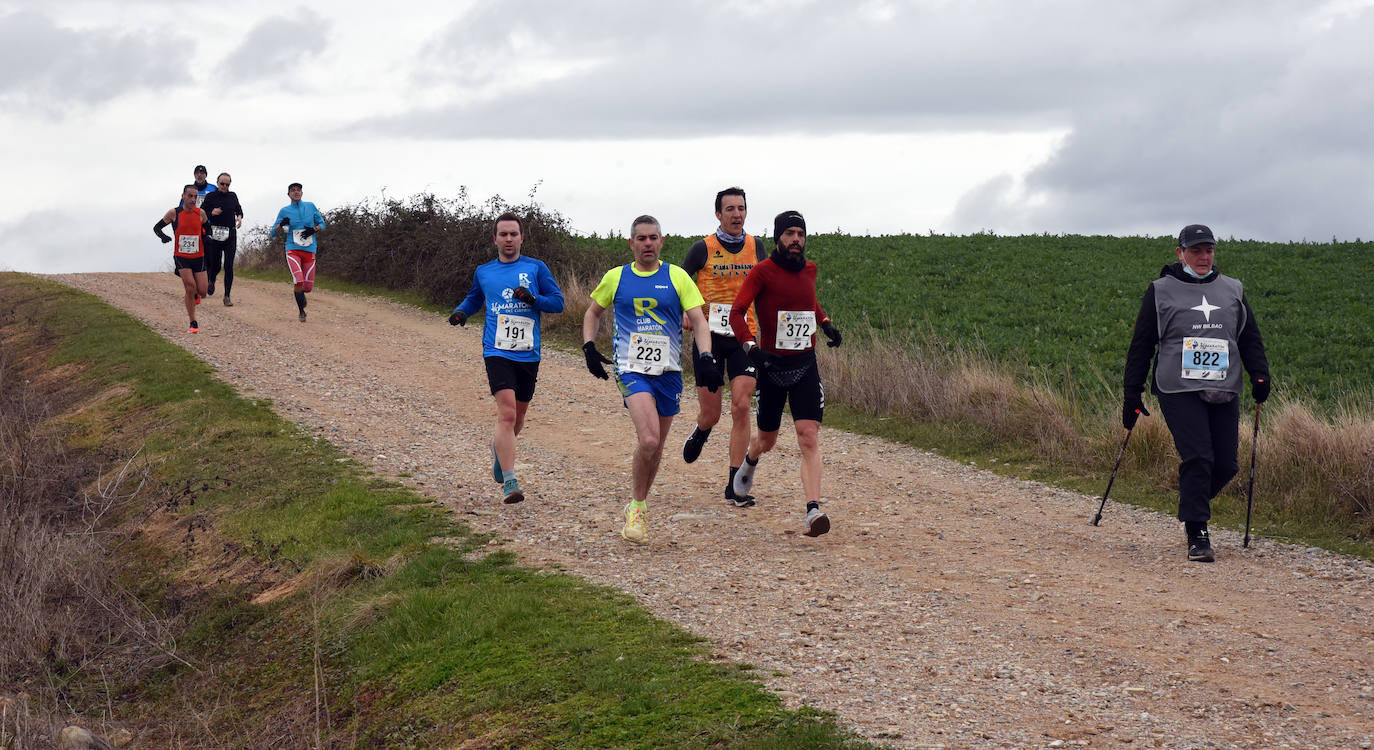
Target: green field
{"x":1064,"y":306}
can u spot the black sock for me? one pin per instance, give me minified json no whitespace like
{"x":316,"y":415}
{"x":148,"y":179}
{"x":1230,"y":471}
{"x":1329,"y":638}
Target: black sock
{"x":730,"y":483}
{"x":812,"y":504}
{"x":300,"y":300}
{"x":750,"y":461}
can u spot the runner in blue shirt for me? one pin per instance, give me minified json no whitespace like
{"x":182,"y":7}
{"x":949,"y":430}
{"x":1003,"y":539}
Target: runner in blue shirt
{"x":648,"y":299}
{"x":513,"y":290}
{"x":300,"y":220}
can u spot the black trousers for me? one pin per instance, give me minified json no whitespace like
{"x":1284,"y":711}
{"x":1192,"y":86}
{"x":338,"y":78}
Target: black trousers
{"x":220,"y":255}
{"x":1207,"y":437}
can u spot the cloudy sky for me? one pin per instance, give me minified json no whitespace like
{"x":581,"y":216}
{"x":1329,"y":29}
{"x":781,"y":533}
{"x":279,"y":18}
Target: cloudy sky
{"x":871,"y":117}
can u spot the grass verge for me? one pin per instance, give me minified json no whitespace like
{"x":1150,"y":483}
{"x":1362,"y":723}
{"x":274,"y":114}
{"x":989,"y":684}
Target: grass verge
{"x":313,"y":605}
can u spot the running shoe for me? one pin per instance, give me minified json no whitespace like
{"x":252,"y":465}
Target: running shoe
{"x":817,"y":523}
{"x":513,"y":493}
{"x":1200,"y":547}
{"x":197,"y":299}
{"x":739,"y":501}
{"x":301,"y":317}
{"x":194,"y":328}
{"x":634,"y":531}
{"x":210,"y":291}
{"x":744,"y":478}
{"x":495,"y":465}
{"x":691,"y":449}
{"x":228,"y":302}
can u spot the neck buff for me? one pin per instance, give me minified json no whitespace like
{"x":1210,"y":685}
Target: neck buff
{"x":1189,"y":270}
{"x":786,"y":260}
{"x":733,"y":239}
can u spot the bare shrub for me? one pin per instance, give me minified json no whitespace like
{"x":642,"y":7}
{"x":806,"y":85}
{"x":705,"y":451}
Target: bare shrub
{"x":430,"y":245}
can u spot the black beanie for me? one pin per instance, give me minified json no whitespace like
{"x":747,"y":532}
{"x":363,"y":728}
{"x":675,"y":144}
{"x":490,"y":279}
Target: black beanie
{"x":786,"y":220}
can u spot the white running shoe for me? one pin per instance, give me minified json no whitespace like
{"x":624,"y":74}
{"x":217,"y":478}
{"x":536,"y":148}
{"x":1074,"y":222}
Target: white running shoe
{"x":817,"y":523}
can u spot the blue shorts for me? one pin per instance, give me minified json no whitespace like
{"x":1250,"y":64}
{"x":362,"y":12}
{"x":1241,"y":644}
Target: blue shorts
{"x":666,"y":389}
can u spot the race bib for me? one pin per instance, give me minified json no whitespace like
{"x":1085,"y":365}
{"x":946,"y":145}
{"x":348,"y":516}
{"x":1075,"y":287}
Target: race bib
{"x":301,"y":240}
{"x":1205,"y":359}
{"x":219,"y":234}
{"x":719,"y":319}
{"x":795,"y":329}
{"x":648,"y":353}
{"x":188,"y":244}
{"x":514,"y":333}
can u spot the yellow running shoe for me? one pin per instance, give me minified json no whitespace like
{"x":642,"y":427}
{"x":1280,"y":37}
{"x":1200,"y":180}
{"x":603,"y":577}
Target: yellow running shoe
{"x":634,"y":531}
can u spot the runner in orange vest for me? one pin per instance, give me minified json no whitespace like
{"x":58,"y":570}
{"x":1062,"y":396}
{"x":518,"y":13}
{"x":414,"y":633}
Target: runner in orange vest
{"x":720,"y":261}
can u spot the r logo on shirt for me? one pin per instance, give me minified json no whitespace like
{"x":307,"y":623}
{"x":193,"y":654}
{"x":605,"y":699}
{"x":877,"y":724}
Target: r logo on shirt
{"x":645,"y":306}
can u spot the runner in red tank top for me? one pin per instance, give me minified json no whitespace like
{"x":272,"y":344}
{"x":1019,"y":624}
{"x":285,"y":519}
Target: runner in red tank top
{"x":188,"y":249}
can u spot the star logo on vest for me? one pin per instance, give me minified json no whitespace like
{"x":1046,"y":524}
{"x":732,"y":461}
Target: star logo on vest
{"x":1206,"y":309}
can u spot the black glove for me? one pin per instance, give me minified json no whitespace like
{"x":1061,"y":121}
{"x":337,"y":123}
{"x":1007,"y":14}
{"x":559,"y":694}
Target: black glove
{"x":595,"y":360}
{"x":165,"y":238}
{"x":1131,"y":410}
{"x":708,"y":375}
{"x":285,"y":222}
{"x":458,"y":318}
{"x":832,"y":333}
{"x":759,"y":358}
{"x":1259,"y":389}
{"x":524,"y":295}
{"x":305,"y":233}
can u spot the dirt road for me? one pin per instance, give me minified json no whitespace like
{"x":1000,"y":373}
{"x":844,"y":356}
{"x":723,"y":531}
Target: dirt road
{"x":948,"y":607}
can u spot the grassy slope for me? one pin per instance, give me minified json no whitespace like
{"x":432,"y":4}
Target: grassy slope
{"x":419,"y":643}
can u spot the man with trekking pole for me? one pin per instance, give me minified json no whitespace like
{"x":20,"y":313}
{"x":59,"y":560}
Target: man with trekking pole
{"x":1196,"y":323}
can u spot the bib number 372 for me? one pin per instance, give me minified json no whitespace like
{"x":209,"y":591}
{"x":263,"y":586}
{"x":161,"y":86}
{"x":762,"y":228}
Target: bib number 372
{"x":795,"y":329}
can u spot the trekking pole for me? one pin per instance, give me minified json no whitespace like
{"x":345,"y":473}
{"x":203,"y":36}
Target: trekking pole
{"x":1250,"y":494}
{"x":1119,"y":456}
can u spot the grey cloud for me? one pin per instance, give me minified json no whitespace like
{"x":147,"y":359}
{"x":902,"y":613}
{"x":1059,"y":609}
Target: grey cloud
{"x":711,"y":67}
{"x":52,"y":68}
{"x":274,"y":47}
{"x":1273,"y":149}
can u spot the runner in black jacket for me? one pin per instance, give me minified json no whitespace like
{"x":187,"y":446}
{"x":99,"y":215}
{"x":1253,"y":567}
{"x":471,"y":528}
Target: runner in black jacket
{"x":221,"y":243}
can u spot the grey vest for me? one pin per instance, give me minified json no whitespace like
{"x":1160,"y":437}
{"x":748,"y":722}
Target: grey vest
{"x":1204,"y":314}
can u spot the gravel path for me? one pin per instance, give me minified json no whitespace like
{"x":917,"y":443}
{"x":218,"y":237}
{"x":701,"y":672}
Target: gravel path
{"x":948,"y":607}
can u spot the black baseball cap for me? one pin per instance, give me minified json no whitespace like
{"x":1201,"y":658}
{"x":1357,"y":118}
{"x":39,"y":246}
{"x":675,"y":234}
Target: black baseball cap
{"x":200,"y":168}
{"x":1195,"y":234}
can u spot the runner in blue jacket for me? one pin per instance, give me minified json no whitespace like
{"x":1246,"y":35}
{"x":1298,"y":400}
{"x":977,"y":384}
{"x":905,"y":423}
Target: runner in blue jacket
{"x":514,"y":291}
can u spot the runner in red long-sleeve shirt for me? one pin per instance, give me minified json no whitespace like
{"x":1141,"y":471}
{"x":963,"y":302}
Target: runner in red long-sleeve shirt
{"x":782,"y":290}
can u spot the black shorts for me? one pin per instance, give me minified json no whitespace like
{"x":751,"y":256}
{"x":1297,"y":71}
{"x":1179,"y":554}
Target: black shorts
{"x":196,"y":265}
{"x":798,"y":387}
{"x":727,"y":350}
{"x":503,"y":374}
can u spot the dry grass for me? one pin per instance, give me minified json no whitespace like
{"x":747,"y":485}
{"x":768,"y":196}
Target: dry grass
{"x":1314,"y":465}
{"x":923,"y":381}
